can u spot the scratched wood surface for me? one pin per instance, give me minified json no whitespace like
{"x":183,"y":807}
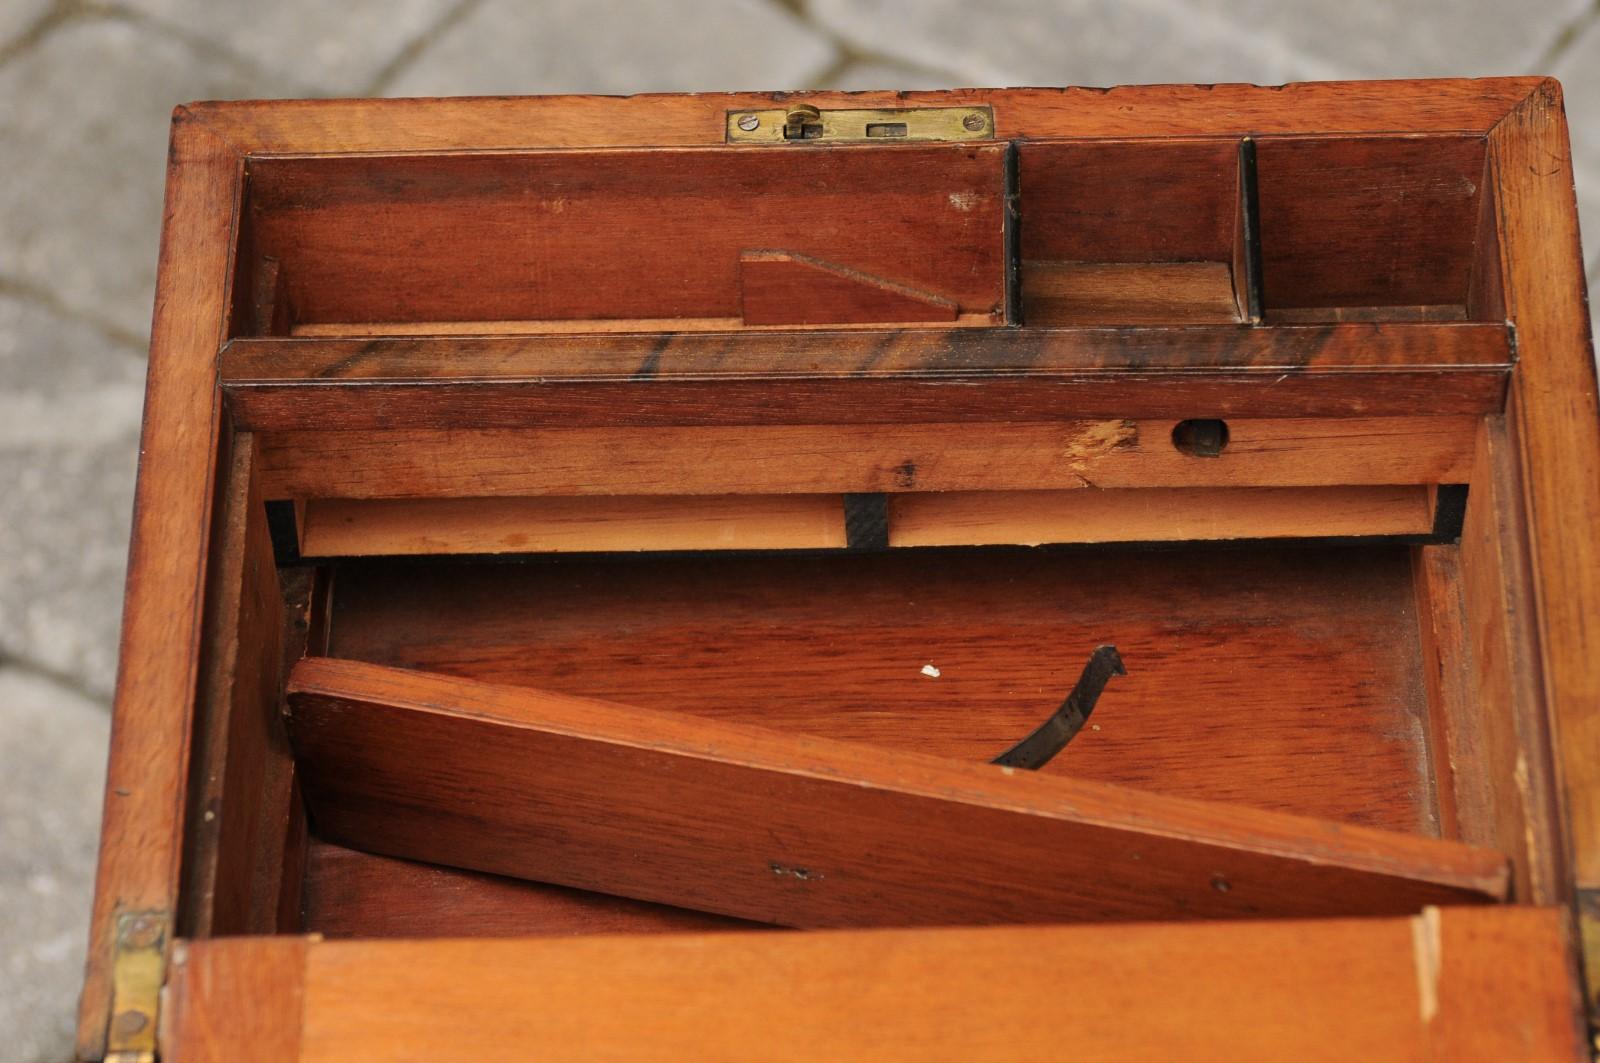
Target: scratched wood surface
{"x":817,"y":459}
{"x":803,"y":831}
{"x":840,"y":376}
{"x":1470,"y":985}
{"x":1284,"y":679}
{"x":629,"y":234}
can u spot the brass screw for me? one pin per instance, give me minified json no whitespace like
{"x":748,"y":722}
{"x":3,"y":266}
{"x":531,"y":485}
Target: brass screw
{"x":973,"y":122}
{"x":749,"y":122}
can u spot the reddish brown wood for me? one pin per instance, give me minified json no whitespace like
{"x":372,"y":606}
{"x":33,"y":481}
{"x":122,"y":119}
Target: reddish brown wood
{"x":142,"y":831}
{"x":1110,"y":234}
{"x":1379,"y":221}
{"x":852,"y":376}
{"x":617,"y":234}
{"x":1555,"y":429}
{"x":819,"y":459}
{"x":1309,"y":702}
{"x":349,"y":893}
{"x":243,"y":772}
{"x":807,"y":832}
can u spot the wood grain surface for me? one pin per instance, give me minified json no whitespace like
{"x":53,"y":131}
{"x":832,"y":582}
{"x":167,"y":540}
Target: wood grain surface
{"x":842,"y":376}
{"x":1284,"y":679}
{"x":807,"y":832}
{"x":1468,"y":985}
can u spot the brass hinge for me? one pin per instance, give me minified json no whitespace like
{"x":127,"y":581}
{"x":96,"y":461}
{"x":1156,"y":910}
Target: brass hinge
{"x":804,"y":124}
{"x":1589,"y":945}
{"x":137,"y":970}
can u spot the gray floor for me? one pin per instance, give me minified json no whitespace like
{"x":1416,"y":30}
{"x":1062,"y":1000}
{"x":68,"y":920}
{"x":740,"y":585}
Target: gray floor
{"x":85,"y":92}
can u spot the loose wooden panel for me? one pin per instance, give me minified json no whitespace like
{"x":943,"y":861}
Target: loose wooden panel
{"x":875,"y":376}
{"x":1376,"y":221}
{"x":1285,"y":679}
{"x":349,"y":893}
{"x":353,"y":528}
{"x":1029,"y":518}
{"x":1475,"y":986}
{"x":630,"y":234}
{"x":807,"y":832}
{"x":818,"y":459}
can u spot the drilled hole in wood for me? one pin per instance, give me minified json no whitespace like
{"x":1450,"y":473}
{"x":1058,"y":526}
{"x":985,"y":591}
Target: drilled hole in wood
{"x":1203,"y":438}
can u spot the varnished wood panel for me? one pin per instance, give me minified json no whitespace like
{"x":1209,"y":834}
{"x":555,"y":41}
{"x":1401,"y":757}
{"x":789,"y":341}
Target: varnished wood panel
{"x":349,"y":893}
{"x":1368,"y":222}
{"x":239,"y":999}
{"x":1475,"y":986}
{"x":807,"y":832}
{"x":818,"y":459}
{"x":278,"y":126}
{"x":629,"y":234}
{"x":243,"y":772}
{"x":831,"y":376}
{"x":141,"y":834}
{"x":1556,"y":429}
{"x":1284,"y":679}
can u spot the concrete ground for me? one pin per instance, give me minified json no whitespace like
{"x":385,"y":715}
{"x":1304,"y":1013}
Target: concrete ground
{"x":85,"y":92}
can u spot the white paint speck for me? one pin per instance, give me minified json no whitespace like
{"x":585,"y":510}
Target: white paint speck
{"x":930,"y":671}
{"x":1094,"y":727}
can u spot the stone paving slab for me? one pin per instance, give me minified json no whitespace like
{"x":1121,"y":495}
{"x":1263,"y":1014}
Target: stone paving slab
{"x":84,"y":115}
{"x":328,"y":49}
{"x":611,"y":46}
{"x":54,"y":764}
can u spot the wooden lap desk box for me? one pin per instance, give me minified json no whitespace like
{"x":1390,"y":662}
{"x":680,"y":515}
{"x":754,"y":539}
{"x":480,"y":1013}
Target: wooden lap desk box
{"x":608,"y":575}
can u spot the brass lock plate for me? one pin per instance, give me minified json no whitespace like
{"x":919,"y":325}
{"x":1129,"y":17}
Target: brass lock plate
{"x":804,"y":124}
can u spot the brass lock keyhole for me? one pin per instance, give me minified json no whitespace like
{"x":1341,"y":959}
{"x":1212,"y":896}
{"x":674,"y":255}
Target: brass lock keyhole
{"x":803,"y":122}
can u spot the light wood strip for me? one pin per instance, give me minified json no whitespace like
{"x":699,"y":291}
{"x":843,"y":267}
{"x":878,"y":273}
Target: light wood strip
{"x":1032,"y":518}
{"x":1471,"y":986}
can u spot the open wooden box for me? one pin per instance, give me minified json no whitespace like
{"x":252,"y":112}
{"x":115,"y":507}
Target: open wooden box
{"x":623,"y":528}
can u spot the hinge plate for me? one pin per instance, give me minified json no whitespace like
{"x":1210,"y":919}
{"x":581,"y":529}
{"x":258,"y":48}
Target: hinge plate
{"x":804,"y":124}
{"x":137,"y":970}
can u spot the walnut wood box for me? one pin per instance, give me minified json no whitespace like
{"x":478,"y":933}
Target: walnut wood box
{"x":578,"y":537}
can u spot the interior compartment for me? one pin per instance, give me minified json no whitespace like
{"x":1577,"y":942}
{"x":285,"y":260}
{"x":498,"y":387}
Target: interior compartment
{"x":1284,"y":679}
{"x":1392,"y":228}
{"x":654,"y":240}
{"x":1132,"y":232}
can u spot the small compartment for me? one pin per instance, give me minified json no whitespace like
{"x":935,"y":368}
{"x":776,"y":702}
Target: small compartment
{"x":1132,"y":232}
{"x":652,"y":240}
{"x":1385,"y":228}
